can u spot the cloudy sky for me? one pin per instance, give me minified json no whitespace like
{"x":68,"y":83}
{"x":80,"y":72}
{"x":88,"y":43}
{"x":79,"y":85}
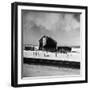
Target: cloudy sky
{"x":62,"y":27}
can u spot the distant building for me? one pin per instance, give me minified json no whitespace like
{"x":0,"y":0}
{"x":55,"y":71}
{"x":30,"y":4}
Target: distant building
{"x":48,"y":44}
{"x":64,"y":49}
{"x":29,"y":48}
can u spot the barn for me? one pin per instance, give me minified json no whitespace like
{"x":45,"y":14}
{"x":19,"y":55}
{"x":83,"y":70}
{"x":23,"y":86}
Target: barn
{"x":48,"y":44}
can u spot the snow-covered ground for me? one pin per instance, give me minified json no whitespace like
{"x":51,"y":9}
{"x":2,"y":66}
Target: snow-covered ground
{"x":31,"y":70}
{"x":70,"y":56}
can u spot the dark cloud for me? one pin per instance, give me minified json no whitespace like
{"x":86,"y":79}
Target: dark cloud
{"x":77,"y":17}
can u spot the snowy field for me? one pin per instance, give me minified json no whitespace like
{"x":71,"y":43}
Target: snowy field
{"x":37,"y":70}
{"x":31,"y":70}
{"x":70,"y":56}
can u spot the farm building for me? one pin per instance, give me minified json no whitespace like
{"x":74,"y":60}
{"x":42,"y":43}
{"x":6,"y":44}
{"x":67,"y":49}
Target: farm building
{"x":48,"y":44}
{"x":29,"y":48}
{"x":64,"y":49}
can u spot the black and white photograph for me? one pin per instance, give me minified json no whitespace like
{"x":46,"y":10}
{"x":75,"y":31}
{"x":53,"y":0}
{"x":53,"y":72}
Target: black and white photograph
{"x":51,"y":44}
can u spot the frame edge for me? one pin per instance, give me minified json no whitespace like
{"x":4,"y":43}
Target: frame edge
{"x":14,"y":47}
